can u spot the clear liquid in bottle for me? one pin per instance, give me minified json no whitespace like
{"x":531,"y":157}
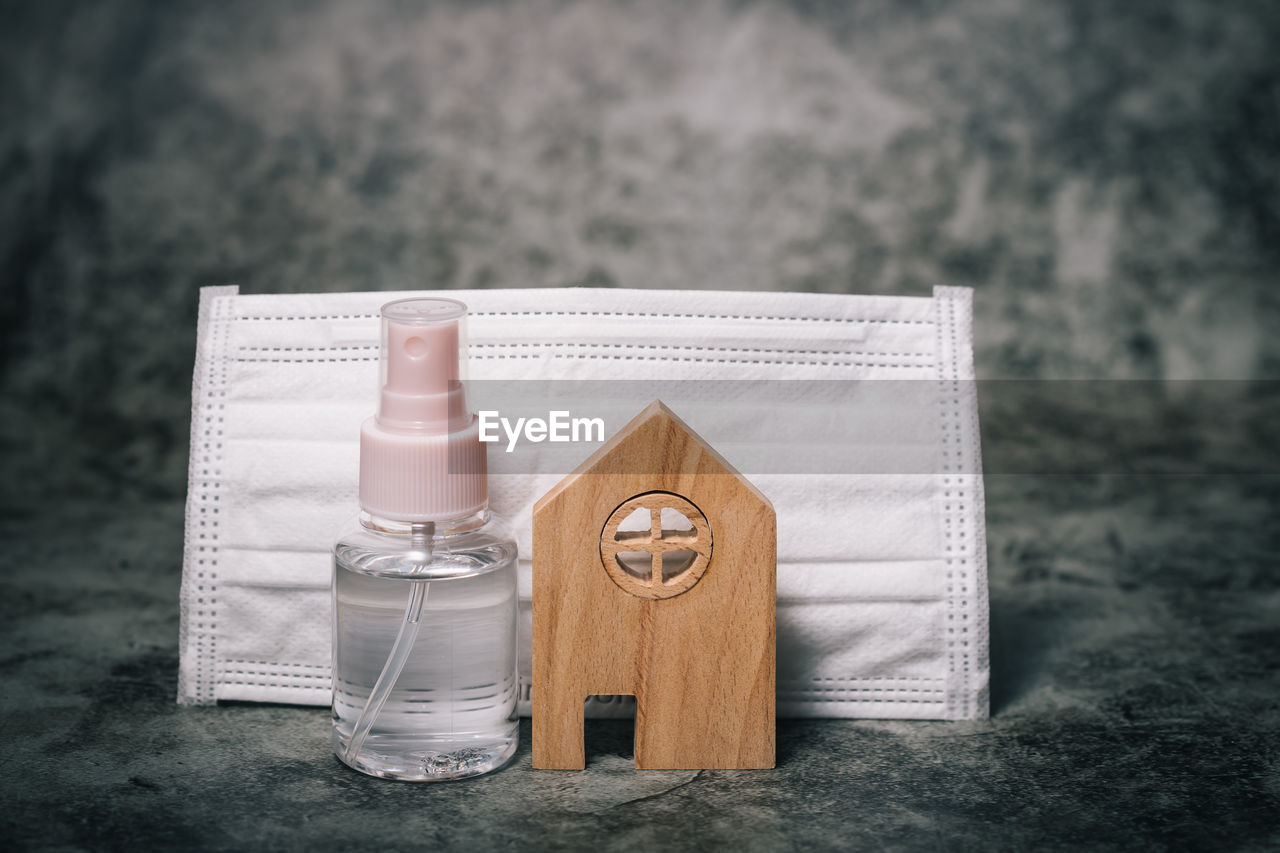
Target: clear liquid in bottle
{"x":451,"y":712}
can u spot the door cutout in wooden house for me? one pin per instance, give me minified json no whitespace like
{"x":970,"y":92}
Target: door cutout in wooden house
{"x":611,"y":732}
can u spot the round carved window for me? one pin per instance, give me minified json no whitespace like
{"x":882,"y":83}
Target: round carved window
{"x":656,"y":545}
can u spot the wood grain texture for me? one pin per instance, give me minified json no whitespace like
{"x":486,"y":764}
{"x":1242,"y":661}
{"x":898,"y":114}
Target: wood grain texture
{"x":700,"y":663}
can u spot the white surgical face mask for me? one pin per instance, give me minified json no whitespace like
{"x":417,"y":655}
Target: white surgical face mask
{"x":855,"y":415}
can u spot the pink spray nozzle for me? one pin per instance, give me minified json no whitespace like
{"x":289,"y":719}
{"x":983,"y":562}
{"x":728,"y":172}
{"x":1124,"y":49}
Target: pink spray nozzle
{"x":421,"y":355}
{"x":421,"y":458}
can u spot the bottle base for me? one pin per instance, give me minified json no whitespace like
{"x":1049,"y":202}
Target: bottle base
{"x":418,"y":760}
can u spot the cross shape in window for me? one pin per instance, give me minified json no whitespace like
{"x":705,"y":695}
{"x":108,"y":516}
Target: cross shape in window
{"x":656,"y":561}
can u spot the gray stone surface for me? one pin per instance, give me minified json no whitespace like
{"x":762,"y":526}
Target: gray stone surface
{"x":1134,"y":694}
{"x":1107,"y":176}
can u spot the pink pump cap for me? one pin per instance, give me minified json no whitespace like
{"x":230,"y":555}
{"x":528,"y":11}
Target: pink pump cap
{"x":421,"y":458}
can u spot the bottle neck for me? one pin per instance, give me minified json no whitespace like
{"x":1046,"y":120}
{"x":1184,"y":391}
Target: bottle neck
{"x":442,"y":526}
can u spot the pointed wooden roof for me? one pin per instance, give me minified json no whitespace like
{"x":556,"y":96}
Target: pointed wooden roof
{"x":655,"y":438}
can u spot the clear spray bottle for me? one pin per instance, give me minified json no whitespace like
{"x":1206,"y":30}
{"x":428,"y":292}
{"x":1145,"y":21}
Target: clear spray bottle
{"x":424,"y":589}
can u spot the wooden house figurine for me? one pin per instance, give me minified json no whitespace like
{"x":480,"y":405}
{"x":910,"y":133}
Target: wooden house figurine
{"x":654,"y":574}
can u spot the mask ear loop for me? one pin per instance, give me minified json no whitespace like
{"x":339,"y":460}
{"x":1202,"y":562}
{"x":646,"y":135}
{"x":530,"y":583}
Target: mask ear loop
{"x":422,"y":534}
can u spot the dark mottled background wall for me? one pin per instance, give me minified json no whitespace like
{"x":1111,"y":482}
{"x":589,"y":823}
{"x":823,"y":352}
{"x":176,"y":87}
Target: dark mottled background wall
{"x":1106,"y":175}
